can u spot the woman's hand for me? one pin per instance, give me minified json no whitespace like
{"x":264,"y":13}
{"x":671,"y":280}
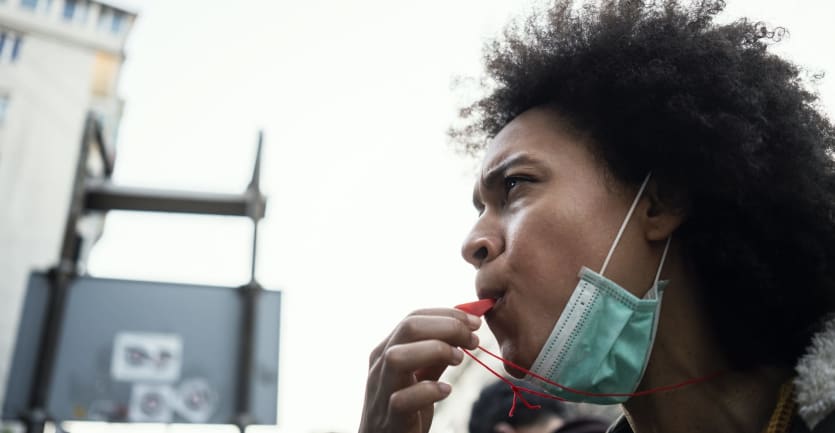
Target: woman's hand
{"x":403,"y":372}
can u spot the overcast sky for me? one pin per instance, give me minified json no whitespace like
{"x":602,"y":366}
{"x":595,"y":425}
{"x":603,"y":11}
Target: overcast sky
{"x":368,"y":202}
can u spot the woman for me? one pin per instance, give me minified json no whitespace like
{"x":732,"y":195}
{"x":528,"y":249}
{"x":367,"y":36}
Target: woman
{"x":686,"y":174}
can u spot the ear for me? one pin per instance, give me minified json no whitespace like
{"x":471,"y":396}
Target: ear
{"x":660,"y":217}
{"x":504,"y":427}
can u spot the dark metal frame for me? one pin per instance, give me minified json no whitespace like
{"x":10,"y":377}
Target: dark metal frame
{"x":101,"y":196}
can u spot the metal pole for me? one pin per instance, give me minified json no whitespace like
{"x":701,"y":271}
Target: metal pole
{"x":250,"y":294}
{"x":104,"y":196}
{"x":60,"y":278}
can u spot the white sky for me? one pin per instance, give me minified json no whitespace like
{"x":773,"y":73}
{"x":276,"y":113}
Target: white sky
{"x":368,"y":204}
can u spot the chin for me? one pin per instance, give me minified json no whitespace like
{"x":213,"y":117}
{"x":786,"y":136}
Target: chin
{"x":510,"y":353}
{"x":518,"y":374}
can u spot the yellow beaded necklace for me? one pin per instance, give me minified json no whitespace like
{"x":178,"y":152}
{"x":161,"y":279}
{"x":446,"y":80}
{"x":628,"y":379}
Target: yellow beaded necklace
{"x":781,"y":418}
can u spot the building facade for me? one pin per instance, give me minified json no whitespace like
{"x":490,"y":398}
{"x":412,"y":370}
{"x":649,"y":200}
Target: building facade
{"x":59,"y":59}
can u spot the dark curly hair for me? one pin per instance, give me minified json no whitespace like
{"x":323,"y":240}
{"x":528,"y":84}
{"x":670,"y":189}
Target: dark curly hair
{"x":732,"y":137}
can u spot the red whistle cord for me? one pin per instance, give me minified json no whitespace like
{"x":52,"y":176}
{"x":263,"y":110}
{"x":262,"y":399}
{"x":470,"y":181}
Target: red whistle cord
{"x":518,"y":390}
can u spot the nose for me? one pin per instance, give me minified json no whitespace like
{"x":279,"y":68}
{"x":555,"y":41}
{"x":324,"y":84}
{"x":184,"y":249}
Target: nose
{"x":483,"y":244}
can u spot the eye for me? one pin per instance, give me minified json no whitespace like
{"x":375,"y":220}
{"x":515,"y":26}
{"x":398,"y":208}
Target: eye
{"x":511,"y":182}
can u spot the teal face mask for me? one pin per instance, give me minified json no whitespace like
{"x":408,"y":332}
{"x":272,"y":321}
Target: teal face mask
{"x":603,"y":338}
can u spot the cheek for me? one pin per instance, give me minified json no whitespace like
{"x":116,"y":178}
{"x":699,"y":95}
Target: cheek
{"x":544,"y":256}
{"x":542,"y":264}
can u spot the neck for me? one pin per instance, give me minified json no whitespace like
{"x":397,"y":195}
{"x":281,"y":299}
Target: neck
{"x":734,"y":401}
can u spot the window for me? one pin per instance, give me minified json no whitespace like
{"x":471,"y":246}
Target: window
{"x":4,"y":108}
{"x":112,"y":20}
{"x":10,"y":43}
{"x":75,"y":10}
{"x":69,"y":9}
{"x":16,"y":47}
{"x":117,"y":23}
{"x":29,"y":4}
{"x":105,"y":17}
{"x":40,"y":6}
{"x":105,"y":72}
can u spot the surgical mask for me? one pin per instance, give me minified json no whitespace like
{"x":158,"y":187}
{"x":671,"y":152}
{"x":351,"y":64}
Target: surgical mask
{"x":603,"y":338}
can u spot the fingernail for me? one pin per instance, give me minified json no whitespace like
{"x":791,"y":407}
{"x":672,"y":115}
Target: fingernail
{"x":458,"y":356}
{"x":473,"y":340}
{"x":474,"y":321}
{"x":445,"y":388}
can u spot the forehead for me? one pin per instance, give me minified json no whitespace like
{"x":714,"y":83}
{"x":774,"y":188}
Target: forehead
{"x":541,"y":134}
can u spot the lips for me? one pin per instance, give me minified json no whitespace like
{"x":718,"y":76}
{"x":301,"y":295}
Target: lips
{"x":489,"y":293}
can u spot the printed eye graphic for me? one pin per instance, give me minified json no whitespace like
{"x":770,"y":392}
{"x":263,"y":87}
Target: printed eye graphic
{"x":136,"y":355}
{"x":197,"y":399}
{"x":151,"y":404}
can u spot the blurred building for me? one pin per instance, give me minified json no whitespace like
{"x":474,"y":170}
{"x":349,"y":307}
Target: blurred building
{"x":59,"y":59}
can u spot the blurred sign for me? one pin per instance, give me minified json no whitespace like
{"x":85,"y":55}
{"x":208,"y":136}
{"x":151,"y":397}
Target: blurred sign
{"x":142,"y":351}
{"x":148,"y":357}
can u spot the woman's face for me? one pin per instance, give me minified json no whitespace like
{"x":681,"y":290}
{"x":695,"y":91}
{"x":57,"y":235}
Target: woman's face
{"x":546,"y":209}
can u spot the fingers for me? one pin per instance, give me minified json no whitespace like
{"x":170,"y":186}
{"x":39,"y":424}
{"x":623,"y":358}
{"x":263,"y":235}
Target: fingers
{"x":407,"y":358}
{"x":472,"y":322}
{"x":422,"y":347}
{"x":403,"y":370}
{"x":418,"y":396}
{"x":424,"y":327}
{"x":419,"y":325}
{"x":434,"y":372}
{"x":449,"y":312}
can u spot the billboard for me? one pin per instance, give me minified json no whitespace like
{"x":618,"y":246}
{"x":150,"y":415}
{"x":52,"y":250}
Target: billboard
{"x":139,"y":351}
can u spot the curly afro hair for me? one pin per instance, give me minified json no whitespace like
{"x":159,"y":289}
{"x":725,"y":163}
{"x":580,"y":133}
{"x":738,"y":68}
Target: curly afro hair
{"x":729,"y":131}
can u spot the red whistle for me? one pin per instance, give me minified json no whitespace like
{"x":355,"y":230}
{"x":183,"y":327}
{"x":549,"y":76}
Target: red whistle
{"x":477,"y":308}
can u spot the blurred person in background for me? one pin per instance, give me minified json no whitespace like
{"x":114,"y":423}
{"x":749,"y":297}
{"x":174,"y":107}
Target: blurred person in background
{"x":656,"y":224}
{"x":490,"y":414}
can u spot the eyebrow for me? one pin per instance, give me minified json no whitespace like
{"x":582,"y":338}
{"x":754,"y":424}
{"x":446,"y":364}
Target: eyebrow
{"x":496,"y":173}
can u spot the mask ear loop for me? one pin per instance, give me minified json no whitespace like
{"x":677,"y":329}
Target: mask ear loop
{"x":625,"y":222}
{"x":653,"y":291}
